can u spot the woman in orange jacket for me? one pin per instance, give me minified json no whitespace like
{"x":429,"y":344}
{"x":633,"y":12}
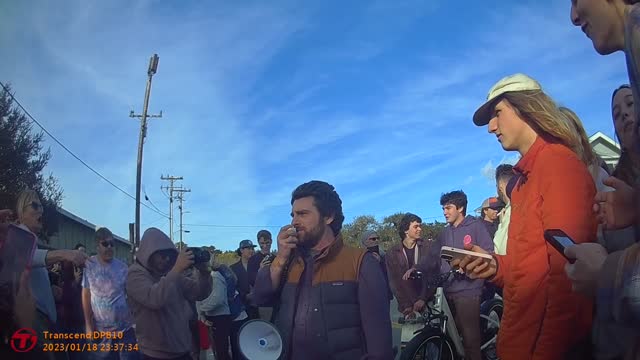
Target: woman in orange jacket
{"x":543,"y":318}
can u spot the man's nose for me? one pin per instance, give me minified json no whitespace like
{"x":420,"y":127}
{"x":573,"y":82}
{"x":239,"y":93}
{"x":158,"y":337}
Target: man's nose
{"x":575,"y":19}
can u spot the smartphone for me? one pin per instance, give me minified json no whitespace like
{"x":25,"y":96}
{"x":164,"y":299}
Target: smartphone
{"x":450,"y":254}
{"x":559,"y":240}
{"x":16,"y":254}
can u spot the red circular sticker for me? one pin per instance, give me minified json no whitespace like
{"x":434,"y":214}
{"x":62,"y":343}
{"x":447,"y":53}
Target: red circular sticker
{"x":467,"y":240}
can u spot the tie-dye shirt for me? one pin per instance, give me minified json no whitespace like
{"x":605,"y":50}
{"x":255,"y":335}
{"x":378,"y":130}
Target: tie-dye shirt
{"x":108,"y":298}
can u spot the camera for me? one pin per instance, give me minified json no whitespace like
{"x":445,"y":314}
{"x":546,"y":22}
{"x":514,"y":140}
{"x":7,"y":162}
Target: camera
{"x":200,"y":255}
{"x":270,"y":257}
{"x":416,"y":275}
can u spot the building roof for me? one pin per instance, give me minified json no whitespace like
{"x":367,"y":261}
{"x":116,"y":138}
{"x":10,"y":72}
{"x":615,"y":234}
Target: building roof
{"x":84,"y":222}
{"x":600,"y":136}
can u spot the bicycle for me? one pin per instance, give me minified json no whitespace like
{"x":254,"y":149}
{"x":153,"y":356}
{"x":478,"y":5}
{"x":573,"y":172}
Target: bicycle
{"x":440,"y":339}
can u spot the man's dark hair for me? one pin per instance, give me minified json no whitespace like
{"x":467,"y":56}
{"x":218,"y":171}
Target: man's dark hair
{"x":504,"y":172}
{"x":325,"y":198}
{"x":263,"y":234}
{"x":405,"y":222}
{"x":457,"y":198}
{"x":103,"y":234}
{"x":78,"y":246}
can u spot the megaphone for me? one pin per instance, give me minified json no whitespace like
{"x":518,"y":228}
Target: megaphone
{"x":259,"y":339}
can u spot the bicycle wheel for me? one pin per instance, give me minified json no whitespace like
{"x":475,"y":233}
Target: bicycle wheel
{"x":426,"y":346}
{"x":490,"y":326}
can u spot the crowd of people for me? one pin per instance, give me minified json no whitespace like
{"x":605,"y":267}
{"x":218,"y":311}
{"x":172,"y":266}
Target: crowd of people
{"x":331,"y":301}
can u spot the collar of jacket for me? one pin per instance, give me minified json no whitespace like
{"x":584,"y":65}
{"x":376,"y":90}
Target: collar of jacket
{"x":327,"y":253}
{"x":525,"y":164}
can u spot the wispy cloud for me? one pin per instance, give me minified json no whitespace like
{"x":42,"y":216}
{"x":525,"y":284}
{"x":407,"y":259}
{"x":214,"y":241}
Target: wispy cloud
{"x":260,"y":97}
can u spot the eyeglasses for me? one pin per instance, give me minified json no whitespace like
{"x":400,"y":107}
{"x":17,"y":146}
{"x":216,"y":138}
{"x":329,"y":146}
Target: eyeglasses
{"x":374,"y":238}
{"x":106,"y":244}
{"x":35,"y":205}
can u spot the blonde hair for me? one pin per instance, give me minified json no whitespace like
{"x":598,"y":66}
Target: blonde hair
{"x":543,"y":115}
{"x":25,"y":198}
{"x":584,"y":150}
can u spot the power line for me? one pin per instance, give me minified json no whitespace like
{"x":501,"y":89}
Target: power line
{"x":71,"y":152}
{"x":234,"y":226}
{"x":146,"y":197}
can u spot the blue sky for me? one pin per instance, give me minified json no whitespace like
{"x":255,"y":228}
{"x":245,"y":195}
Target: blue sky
{"x":375,"y":97}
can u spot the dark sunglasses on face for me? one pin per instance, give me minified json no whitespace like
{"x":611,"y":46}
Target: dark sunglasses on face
{"x":374,"y":238}
{"x":106,"y":244}
{"x":35,"y":205}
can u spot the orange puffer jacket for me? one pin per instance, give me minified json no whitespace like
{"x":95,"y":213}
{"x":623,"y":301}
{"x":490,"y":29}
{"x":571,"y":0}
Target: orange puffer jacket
{"x":542,"y":317}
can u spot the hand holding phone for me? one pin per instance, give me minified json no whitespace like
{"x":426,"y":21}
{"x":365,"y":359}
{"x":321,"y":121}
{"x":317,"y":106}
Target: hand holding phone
{"x":476,"y":263}
{"x":560,"y":241}
{"x":450,"y":253}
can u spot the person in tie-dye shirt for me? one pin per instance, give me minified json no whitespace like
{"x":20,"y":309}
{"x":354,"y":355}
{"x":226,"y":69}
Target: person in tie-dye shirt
{"x":104,"y":299}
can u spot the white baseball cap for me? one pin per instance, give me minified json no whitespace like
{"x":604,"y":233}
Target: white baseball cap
{"x":516,"y":82}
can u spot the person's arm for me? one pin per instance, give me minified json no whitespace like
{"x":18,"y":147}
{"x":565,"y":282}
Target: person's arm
{"x":86,"y":309}
{"x":40,"y":258}
{"x":216,"y":298}
{"x":198,"y":288}
{"x":275,"y":271}
{"x":76,"y":257}
{"x":252,"y":268}
{"x":264,"y":293}
{"x":142,"y":289}
{"x":395,"y":272}
{"x":618,"y":295}
{"x":374,"y":310}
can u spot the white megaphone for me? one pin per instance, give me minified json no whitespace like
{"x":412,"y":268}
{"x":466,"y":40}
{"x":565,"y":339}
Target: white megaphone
{"x":259,"y":339}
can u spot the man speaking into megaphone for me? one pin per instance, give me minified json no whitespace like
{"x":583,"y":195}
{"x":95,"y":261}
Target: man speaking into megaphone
{"x":332,"y":299}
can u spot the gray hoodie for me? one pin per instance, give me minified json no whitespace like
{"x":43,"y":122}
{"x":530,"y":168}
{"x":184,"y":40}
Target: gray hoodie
{"x":161,"y":303}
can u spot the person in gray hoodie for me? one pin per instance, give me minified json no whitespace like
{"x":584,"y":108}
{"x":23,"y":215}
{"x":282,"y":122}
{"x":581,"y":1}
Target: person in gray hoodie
{"x":463,"y":232}
{"x":159,"y":296}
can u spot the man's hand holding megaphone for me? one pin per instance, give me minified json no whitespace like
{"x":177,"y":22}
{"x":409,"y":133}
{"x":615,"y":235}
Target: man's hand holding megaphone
{"x":287,"y":242}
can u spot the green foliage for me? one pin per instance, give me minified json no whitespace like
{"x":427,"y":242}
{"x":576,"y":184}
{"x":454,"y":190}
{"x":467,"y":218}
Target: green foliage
{"x":22,"y":160}
{"x":387,"y":229}
{"x":227,"y":257}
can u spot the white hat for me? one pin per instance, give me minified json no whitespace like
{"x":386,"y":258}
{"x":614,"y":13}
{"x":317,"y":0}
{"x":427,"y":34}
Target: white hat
{"x":516,"y":82}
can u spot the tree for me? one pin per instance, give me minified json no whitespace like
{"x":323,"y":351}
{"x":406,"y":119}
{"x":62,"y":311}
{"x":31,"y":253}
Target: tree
{"x":352,"y":232}
{"x":387,"y":230}
{"x":228,"y":257}
{"x":22,"y":160}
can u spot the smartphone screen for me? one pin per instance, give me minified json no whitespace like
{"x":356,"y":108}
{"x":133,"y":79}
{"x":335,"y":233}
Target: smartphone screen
{"x":16,"y":254}
{"x":564,"y":241}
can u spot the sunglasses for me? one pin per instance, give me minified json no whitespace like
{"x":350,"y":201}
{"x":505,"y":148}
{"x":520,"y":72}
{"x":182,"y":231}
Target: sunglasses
{"x":374,"y":238}
{"x":107,"y":244}
{"x":35,"y":205}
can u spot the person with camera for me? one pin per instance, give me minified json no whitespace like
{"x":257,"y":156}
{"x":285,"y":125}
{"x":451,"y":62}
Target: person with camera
{"x":331,"y":304}
{"x":160,"y":294}
{"x":104,"y":301}
{"x":402,"y":260}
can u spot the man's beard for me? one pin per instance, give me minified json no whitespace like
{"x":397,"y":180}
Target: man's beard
{"x":312,"y":236}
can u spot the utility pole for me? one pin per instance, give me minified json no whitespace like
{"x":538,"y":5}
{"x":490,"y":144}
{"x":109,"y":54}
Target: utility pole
{"x":153,"y":68}
{"x":181,"y":199}
{"x":171,"y":188}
